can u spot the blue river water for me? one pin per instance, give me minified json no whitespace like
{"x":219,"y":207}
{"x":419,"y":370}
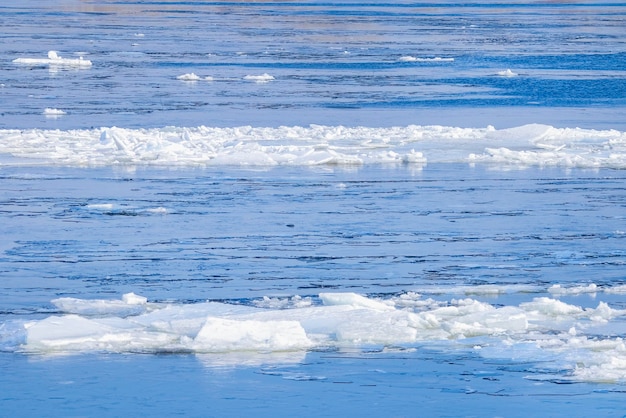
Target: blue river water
{"x":415,"y":285}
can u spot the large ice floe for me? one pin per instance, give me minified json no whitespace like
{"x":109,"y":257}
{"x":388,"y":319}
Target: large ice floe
{"x":528,"y":145}
{"x":569,"y":339}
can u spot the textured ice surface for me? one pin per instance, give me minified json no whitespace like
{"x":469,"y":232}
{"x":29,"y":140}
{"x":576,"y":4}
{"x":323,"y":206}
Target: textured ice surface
{"x":529,"y":145}
{"x":543,"y":328}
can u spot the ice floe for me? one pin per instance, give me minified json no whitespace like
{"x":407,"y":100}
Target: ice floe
{"x":193,"y":77}
{"x":189,"y":77}
{"x":506,"y":73}
{"x":53,"y":113}
{"x":542,"y":328}
{"x":263,"y":78}
{"x":529,"y":145}
{"x":410,"y":58}
{"x":54,"y":60}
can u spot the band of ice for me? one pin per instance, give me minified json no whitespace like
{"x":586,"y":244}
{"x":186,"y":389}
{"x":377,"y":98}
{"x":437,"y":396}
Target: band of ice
{"x":560,"y":335}
{"x":529,"y":145}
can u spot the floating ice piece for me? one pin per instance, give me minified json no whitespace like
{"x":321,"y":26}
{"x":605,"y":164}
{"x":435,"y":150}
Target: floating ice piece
{"x":192,"y":77}
{"x":263,"y":78}
{"x":506,"y":73}
{"x":560,"y":335}
{"x":159,"y":210}
{"x":409,"y":58}
{"x":54,"y":60}
{"x":100,"y":206}
{"x":189,"y":77}
{"x":53,"y":113}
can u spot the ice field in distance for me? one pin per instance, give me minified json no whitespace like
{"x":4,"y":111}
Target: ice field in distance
{"x":530,"y":145}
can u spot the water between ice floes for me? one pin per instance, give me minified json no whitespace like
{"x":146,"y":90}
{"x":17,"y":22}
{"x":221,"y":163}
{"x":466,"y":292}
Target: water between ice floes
{"x":525,"y":264}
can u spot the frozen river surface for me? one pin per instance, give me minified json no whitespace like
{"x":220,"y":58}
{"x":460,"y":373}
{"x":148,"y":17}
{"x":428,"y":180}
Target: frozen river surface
{"x":312,"y":208}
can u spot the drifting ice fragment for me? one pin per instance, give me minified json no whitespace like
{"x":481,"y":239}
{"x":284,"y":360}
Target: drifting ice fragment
{"x":188,"y":77}
{"x":53,"y":113}
{"x":54,"y":60}
{"x":409,"y":58}
{"x":506,"y":73}
{"x":263,"y":78}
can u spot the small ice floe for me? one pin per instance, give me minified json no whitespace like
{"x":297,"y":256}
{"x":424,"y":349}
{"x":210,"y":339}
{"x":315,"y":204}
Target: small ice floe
{"x":506,"y":73}
{"x":159,"y":210}
{"x":54,"y":60}
{"x":409,"y":58}
{"x":192,"y":78}
{"x":53,"y":113}
{"x":189,"y":77}
{"x":263,"y":78}
{"x":100,"y":206}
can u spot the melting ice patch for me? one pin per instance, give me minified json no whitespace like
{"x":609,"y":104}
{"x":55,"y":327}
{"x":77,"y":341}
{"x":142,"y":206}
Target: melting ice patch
{"x":529,"y":145}
{"x":561,"y":335}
